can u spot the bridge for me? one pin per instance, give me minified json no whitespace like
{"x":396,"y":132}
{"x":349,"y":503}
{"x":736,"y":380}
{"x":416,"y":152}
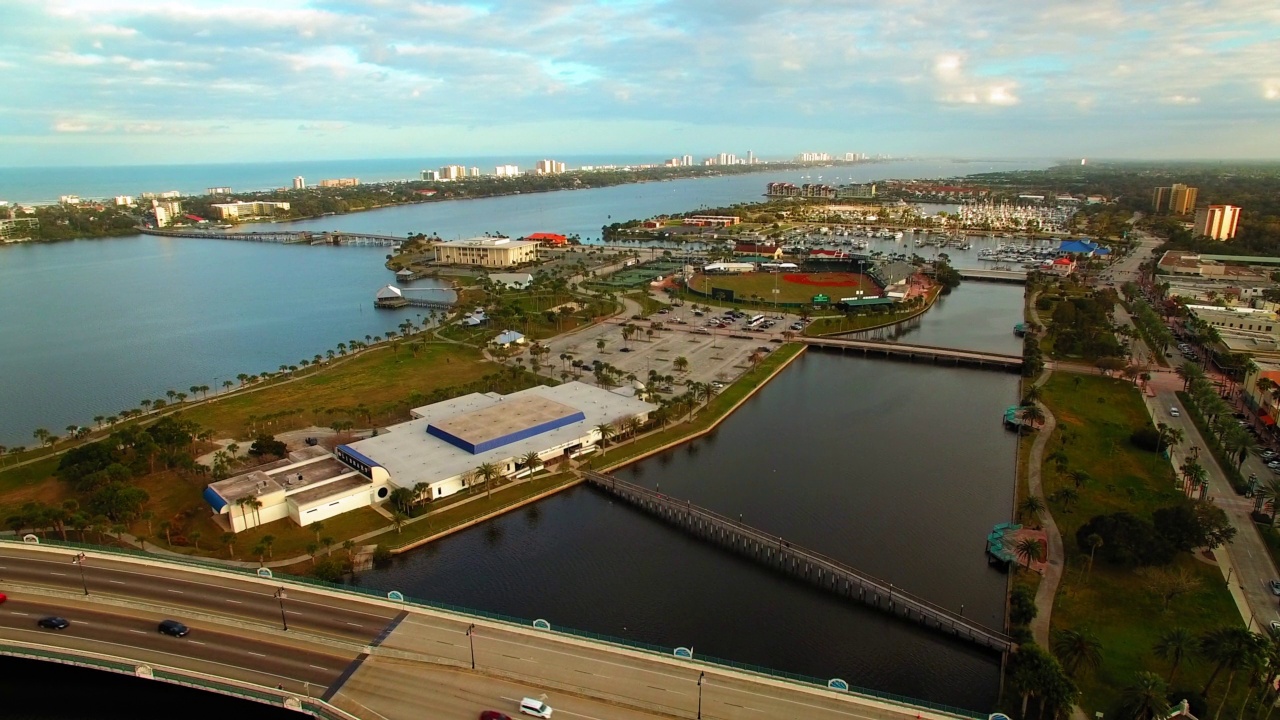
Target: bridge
{"x":348,"y":652}
{"x":977,"y":358}
{"x":286,"y":237}
{"x":1018,"y":277}
{"x":825,"y":572}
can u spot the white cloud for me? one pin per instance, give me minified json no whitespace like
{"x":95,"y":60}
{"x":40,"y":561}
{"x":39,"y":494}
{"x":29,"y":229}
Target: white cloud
{"x":1271,"y":89}
{"x":1181,"y":100}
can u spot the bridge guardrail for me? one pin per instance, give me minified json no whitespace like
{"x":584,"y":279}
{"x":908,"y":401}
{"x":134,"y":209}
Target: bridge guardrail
{"x":641,"y":646}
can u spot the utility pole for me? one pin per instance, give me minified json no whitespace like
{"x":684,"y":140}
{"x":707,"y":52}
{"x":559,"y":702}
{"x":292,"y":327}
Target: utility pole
{"x":280,"y":595}
{"x":79,"y":560}
{"x":472,"y":642}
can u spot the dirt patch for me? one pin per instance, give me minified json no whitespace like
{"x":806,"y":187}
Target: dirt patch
{"x":826,"y":279}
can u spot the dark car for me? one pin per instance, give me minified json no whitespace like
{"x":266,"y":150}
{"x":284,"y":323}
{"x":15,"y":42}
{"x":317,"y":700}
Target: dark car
{"x":625,"y":349}
{"x":173,"y":628}
{"x":493,"y":715}
{"x":54,"y":623}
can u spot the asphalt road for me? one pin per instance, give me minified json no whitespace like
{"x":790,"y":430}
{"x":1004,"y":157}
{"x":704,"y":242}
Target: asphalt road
{"x":180,"y":588}
{"x":207,"y":649}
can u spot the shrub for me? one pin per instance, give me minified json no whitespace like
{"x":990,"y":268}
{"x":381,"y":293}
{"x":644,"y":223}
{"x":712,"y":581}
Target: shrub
{"x":1126,"y":540}
{"x":1022,"y":606}
{"x":1146,"y":438}
{"x":381,"y":556}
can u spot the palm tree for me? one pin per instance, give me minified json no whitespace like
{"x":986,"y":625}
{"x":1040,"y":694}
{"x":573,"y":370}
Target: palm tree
{"x":1175,"y":645}
{"x":1094,"y":541}
{"x":166,"y":527}
{"x":316,"y":527}
{"x":531,"y":460}
{"x":1066,"y":496}
{"x":1029,"y":549}
{"x":1034,"y":415}
{"x":1228,"y":648}
{"x":1145,"y":699}
{"x":268,"y":541}
{"x":1077,"y":650}
{"x":606,"y":431}
{"x":1079,"y":477}
{"x":487,"y":472}
{"x":1032,"y":506}
{"x":194,"y":537}
{"x":229,"y":539}
{"x":398,"y":520}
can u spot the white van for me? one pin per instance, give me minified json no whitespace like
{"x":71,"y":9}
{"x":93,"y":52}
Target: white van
{"x":1173,"y":412}
{"x":534,"y":707}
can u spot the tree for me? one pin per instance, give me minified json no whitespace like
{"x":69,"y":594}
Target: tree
{"x":1191,"y":525}
{"x":229,"y":539}
{"x":488,"y":472}
{"x":1032,"y":506}
{"x":268,"y":445}
{"x":605,"y":431}
{"x":316,"y":527}
{"x":1029,"y":549}
{"x":531,"y":460}
{"x":268,"y":541}
{"x":1145,"y":699}
{"x":1066,"y":496}
{"x":1175,"y":645}
{"x":1077,"y":650}
{"x":398,"y":519}
{"x":1093,"y":541}
{"x":1034,"y":673}
{"x":1228,"y":648}
{"x":1169,"y":584}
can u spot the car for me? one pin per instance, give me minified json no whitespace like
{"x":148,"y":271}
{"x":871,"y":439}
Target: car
{"x":1273,"y":464}
{"x":625,"y":349}
{"x":697,"y":313}
{"x":54,"y":622}
{"x":717,"y":384}
{"x":535,"y":707}
{"x":173,"y":628}
{"x":1173,"y":412}
{"x":701,"y":331}
{"x":494,"y":715}
{"x":1275,"y":587}
{"x":663,"y":311}
{"x":3,"y":597}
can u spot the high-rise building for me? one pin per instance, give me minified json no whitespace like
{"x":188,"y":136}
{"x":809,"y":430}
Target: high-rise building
{"x":453,"y":172}
{"x":506,"y":170}
{"x":340,"y":182}
{"x":1182,"y":199}
{"x":751,"y":157}
{"x":124,"y":200}
{"x":218,"y":191}
{"x":165,"y":211}
{"x":549,"y":167}
{"x":687,"y":160}
{"x":1217,"y":222}
{"x":475,"y":171}
{"x":299,"y":183}
{"x":1160,"y":199}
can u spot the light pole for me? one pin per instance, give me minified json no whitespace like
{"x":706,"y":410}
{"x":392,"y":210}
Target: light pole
{"x":79,"y":560}
{"x":472,"y":642}
{"x":1229,"y":571}
{"x":701,"y":676}
{"x":281,"y":597}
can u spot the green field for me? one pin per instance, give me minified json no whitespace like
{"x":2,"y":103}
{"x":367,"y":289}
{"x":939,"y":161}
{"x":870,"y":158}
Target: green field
{"x":759,"y":287}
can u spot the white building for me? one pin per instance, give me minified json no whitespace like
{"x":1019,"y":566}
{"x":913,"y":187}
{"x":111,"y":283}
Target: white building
{"x":512,"y":281}
{"x":453,"y":172}
{"x":299,"y":183}
{"x":123,"y":200}
{"x":439,"y":450}
{"x":506,"y":170}
{"x":165,"y":211}
{"x":549,"y":167}
{"x":240,"y":209}
{"x":487,"y":252}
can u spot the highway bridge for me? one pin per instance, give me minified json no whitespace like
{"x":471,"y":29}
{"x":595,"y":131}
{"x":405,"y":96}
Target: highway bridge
{"x":977,"y":358}
{"x":286,"y":237}
{"x":348,"y":654}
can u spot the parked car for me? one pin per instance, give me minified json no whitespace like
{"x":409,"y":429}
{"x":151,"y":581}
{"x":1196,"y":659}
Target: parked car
{"x":173,"y":628}
{"x":494,"y":715}
{"x":625,"y":349}
{"x":1173,"y":412}
{"x":1275,"y":587}
{"x":54,"y":623}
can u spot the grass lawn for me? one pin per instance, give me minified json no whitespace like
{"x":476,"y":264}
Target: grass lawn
{"x":29,"y":483}
{"x":862,"y":320}
{"x":648,"y":305}
{"x":378,"y":378}
{"x":792,"y":287}
{"x":1095,"y":417}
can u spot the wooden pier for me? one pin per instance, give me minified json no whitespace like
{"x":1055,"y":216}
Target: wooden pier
{"x":825,"y":572}
{"x":977,"y":358}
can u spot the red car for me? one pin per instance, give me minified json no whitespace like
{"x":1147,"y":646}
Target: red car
{"x":3,"y":597}
{"x":493,"y":715}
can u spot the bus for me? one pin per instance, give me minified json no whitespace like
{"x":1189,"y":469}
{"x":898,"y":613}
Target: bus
{"x":755,"y":322}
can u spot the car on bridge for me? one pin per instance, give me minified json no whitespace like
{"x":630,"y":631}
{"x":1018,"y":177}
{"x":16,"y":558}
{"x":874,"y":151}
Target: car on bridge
{"x":535,"y":707}
{"x":494,"y":715}
{"x":54,"y":623}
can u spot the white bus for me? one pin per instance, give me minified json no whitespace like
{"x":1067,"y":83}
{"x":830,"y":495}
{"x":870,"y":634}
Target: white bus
{"x":755,"y":322}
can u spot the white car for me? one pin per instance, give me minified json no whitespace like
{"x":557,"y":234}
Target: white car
{"x":535,"y":707}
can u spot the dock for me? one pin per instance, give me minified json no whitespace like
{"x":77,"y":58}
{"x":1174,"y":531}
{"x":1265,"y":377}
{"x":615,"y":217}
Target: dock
{"x":975,"y":358}
{"x":827,"y":573}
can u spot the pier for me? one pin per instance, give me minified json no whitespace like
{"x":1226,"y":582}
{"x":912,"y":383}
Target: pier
{"x":976,"y":358}
{"x":825,"y":572}
{"x":390,"y":297}
{"x":301,"y":237}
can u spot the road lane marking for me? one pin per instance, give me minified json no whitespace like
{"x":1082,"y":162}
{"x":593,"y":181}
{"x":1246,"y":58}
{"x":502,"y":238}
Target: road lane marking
{"x":175,"y":591}
{"x":15,"y":612}
{"x":318,"y":667}
{"x":140,"y":632}
{"x":355,"y":624}
{"x":118,"y":582}
{"x":254,"y":653}
{"x":238,"y":602}
{"x":195,"y":642}
{"x":54,"y":573}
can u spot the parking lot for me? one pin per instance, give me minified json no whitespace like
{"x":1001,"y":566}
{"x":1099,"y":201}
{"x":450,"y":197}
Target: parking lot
{"x":715,"y":354}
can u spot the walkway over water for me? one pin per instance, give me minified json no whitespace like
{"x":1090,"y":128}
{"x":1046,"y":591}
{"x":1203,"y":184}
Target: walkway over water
{"x":285,"y":237}
{"x":1018,"y":277}
{"x":818,"y":569}
{"x":994,"y":361}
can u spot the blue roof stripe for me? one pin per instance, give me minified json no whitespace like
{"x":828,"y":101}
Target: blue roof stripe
{"x":359,"y":456}
{"x":215,"y":500}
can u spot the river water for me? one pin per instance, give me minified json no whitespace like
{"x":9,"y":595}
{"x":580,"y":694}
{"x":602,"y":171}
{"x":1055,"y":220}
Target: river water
{"x":899,"y":469}
{"x":91,"y":327}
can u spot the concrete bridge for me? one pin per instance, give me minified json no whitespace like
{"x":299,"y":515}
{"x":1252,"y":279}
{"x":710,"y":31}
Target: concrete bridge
{"x":287,"y":237}
{"x":1018,"y":277}
{"x":347,"y":652}
{"x":818,"y":569}
{"x":977,"y":358}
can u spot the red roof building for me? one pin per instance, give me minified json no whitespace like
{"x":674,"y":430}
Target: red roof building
{"x":548,"y":238}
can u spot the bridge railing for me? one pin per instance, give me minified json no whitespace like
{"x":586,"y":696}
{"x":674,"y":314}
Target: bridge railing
{"x":370,"y":593}
{"x":756,"y":534}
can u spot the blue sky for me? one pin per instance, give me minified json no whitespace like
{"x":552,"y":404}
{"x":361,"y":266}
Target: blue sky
{"x":162,"y":81}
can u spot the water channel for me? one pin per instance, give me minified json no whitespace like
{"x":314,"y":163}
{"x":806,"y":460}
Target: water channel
{"x":899,"y":469}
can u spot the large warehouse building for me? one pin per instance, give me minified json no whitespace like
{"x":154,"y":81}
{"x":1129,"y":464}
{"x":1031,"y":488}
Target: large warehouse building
{"x":437,"y":451}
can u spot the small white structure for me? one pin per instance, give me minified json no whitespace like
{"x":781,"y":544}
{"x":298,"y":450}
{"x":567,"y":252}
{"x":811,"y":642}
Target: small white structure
{"x":729,"y":267}
{"x":389,"y":292}
{"x":510,"y":337}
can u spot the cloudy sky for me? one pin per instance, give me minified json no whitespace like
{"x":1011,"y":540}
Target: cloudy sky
{"x":142,"y":81}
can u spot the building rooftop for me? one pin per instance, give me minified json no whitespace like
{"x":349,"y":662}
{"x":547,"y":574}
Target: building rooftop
{"x":337,"y":487}
{"x":305,"y":467}
{"x":489,"y":242}
{"x":504,"y":423}
{"x":412,"y":455}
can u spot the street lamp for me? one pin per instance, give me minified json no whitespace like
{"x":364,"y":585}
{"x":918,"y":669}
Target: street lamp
{"x":281,"y":597}
{"x":701,"y":676}
{"x":79,"y":560}
{"x":472,"y":642}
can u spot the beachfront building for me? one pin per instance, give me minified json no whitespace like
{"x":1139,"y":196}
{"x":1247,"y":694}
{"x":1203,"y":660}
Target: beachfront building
{"x":487,"y":252}
{"x":712,"y":220}
{"x":512,"y":281}
{"x":437,"y":453}
{"x":241,"y":209}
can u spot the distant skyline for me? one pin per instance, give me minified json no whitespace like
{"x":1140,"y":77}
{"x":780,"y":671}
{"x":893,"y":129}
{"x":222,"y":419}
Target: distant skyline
{"x":111,"y":82}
